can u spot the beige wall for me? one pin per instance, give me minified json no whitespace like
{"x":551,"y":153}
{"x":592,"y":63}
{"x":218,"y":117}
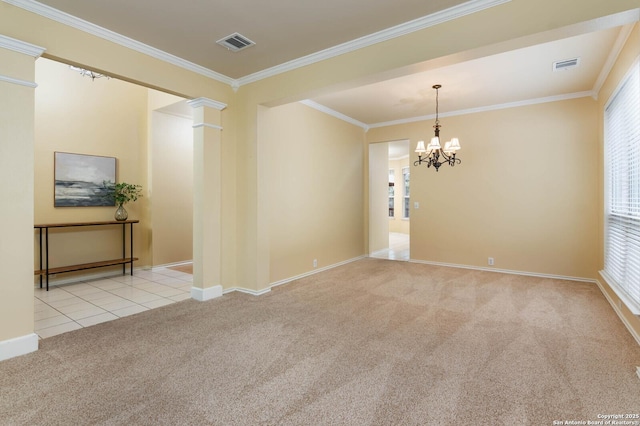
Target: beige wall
{"x":469,"y":37}
{"x":74,"y":46}
{"x":524,"y":193}
{"x":244,"y":188}
{"x":378,"y":190}
{"x":172,"y":188}
{"x":626,"y":58}
{"x":110,"y":118}
{"x":315,"y":192}
{"x":105,"y":117}
{"x":398,"y":223}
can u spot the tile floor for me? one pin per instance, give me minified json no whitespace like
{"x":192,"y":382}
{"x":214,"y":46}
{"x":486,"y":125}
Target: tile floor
{"x":70,"y":307}
{"x":398,"y":248}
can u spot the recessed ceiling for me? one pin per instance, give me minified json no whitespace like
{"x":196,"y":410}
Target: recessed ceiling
{"x":519,"y":75}
{"x":288,"y":30}
{"x":283,"y":30}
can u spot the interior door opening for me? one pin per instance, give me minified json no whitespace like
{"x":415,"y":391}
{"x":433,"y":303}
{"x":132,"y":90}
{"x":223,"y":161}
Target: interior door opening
{"x":389,"y":200}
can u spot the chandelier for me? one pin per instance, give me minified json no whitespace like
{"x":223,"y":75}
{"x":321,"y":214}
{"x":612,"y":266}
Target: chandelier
{"x":88,"y":73}
{"x":436,"y":156}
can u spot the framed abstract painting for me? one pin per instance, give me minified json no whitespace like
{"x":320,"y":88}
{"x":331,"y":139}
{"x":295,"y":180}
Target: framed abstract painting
{"x":80,"y":180}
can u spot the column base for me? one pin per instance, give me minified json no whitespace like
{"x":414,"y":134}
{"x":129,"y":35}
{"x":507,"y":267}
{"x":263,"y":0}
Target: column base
{"x":202,"y":294}
{"x":18,"y":346}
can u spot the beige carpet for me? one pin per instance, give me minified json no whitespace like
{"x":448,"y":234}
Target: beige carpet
{"x":373,"y":342}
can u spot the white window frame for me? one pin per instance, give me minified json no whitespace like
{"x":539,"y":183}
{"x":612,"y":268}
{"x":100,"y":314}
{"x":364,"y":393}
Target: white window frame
{"x":622,"y":230}
{"x":406,"y":203}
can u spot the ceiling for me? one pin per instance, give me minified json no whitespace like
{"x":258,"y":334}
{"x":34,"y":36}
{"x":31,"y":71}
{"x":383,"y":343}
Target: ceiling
{"x":286,"y":31}
{"x":283,"y":30}
{"x":515,"y":76}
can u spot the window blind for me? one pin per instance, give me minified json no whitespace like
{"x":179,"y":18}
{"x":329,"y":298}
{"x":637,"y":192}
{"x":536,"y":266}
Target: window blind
{"x":622,"y":199}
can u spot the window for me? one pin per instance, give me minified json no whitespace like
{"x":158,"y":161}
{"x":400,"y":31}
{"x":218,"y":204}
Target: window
{"x":391,"y":192}
{"x":622,"y":198}
{"x":405,"y":179}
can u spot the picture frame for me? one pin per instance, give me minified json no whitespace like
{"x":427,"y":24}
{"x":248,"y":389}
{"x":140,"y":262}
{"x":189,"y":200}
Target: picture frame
{"x":79,"y":180}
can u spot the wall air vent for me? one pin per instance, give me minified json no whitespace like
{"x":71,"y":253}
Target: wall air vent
{"x":567,"y":64}
{"x":235,"y":42}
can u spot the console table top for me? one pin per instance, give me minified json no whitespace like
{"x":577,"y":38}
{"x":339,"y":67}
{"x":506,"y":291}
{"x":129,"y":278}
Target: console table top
{"x":63,"y":225}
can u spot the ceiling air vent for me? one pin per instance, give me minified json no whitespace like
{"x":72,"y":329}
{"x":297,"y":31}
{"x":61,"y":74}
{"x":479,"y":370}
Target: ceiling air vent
{"x":235,"y":42}
{"x":566,"y":64}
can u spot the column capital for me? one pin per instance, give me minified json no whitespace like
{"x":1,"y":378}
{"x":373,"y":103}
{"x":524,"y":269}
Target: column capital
{"x":205,"y":102}
{"x":21,"y":46}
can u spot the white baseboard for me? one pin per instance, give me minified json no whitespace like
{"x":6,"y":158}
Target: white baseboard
{"x":171,"y":265}
{"x":288,"y":280}
{"x":248,"y":291}
{"x":507,"y":271}
{"x":18,"y":346}
{"x":204,"y":294}
{"x":633,"y":332}
{"x":618,"y":312}
{"x":631,"y":304}
{"x":315,"y":271}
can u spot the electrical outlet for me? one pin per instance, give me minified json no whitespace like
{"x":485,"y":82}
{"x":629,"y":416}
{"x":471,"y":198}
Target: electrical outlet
{"x":490,"y":261}
{"x":416,"y":205}
{"x":315,"y":263}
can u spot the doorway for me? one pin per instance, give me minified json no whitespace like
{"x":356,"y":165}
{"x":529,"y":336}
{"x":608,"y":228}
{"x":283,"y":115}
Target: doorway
{"x":389,"y":200}
{"x":149,"y":133}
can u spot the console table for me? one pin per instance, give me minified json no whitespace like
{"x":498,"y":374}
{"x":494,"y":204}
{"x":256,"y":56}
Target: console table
{"x":45,"y":270}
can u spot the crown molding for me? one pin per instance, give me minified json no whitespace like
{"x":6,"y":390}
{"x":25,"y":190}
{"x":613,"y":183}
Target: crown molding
{"x":205,"y":102}
{"x":21,"y":46}
{"x":535,"y":101}
{"x":334,"y":113}
{"x":446,"y":15}
{"x":617,"y":47}
{"x":88,"y":27}
{"x":434,"y":19}
{"x":18,"y":81}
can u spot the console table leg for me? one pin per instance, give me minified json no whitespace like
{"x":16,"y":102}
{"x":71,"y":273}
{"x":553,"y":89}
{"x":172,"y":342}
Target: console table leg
{"x":46,"y":239}
{"x":124,"y":252}
{"x":40,"y":256}
{"x":131,"y":250}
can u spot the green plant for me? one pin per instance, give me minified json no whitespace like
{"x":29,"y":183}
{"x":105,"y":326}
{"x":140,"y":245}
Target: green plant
{"x":123,"y":192}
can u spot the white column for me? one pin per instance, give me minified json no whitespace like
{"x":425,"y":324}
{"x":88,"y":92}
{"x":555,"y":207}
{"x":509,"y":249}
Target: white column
{"x":17,"y":99}
{"x":207,"y":212}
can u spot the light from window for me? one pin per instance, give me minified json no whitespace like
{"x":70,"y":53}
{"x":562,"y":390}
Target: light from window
{"x":405,"y":180}
{"x":622,"y":198}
